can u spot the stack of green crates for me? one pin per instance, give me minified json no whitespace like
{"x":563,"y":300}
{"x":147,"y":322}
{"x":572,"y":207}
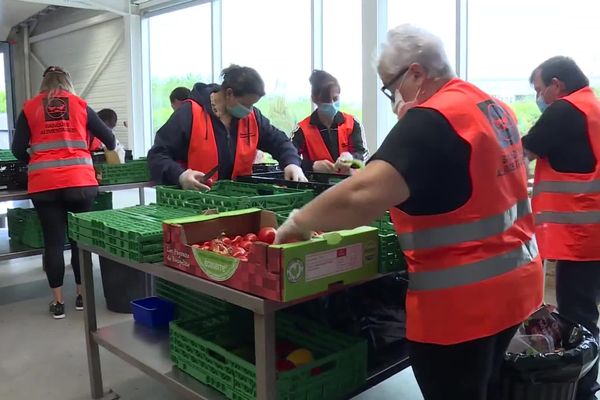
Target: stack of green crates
{"x":130,"y":172}
{"x":391,"y":258}
{"x":189,"y":303}
{"x":230,"y":195}
{"x":218,"y":350}
{"x":134,"y":233}
{"x":24,"y":224}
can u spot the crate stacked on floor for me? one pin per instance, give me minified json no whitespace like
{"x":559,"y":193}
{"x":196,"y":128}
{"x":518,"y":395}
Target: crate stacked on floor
{"x":13,"y":173}
{"x":24,"y":223}
{"x":130,"y":172}
{"x":230,"y":196}
{"x":133,"y":233}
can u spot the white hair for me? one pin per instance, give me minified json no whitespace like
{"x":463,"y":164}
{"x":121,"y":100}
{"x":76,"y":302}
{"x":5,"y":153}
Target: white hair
{"x":407,"y":44}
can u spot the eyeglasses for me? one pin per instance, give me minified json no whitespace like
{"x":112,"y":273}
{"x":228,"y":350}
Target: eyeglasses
{"x":385,"y":89}
{"x":55,"y":69}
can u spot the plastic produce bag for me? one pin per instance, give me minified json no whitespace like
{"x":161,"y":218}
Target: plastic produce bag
{"x":572,"y":358}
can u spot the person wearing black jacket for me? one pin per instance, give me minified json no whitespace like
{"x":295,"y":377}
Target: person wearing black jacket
{"x":219,"y":125}
{"x":327,"y":133}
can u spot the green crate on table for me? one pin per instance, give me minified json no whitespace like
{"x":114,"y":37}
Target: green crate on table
{"x":215,"y":350}
{"x":391,"y":258}
{"x":130,"y":172}
{"x":189,"y":303}
{"x":230,"y":196}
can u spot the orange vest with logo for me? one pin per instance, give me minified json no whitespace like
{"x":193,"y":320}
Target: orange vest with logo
{"x":203,"y":154}
{"x":96,"y":144}
{"x":60,"y":156}
{"x":315,"y":145}
{"x":474,"y":271}
{"x":567,"y":205}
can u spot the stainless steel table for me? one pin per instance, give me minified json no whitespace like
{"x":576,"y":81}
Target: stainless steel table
{"x":149,"y":351}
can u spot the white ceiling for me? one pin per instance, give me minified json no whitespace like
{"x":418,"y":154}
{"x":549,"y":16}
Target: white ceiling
{"x":14,"y":11}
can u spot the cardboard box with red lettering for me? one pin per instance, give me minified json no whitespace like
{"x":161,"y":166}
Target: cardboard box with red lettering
{"x":278,"y":272}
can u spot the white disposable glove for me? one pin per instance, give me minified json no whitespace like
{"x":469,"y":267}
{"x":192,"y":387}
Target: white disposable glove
{"x":120,"y":151}
{"x":324,"y":166}
{"x":290,"y":230}
{"x":190,"y":179}
{"x":294,"y":173}
{"x":343,"y":163}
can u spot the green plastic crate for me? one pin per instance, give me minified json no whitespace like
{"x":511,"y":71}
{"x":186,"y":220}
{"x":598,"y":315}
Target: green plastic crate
{"x":24,"y":227}
{"x":230,"y":195}
{"x":104,"y":201}
{"x":7,"y":155}
{"x":130,"y":172}
{"x":214,"y":350}
{"x":391,"y":258}
{"x":190,"y":304}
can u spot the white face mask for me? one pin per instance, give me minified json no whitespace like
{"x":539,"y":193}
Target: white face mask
{"x":400,"y":106}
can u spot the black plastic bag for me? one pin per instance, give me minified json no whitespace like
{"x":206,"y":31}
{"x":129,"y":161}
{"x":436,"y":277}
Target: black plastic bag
{"x":579,"y":353}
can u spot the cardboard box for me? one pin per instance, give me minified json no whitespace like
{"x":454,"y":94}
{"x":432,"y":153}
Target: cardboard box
{"x":277,"y":272}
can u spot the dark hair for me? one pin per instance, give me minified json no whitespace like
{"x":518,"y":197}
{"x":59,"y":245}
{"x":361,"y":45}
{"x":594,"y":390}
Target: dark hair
{"x":565,"y":70}
{"x":179,"y":93}
{"x":242,"y":80}
{"x":321,"y":83}
{"x":108,"y":116}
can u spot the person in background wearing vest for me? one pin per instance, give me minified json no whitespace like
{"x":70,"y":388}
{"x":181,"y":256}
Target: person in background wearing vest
{"x":54,"y":126}
{"x":178,"y":96}
{"x":109,"y":117}
{"x":566,"y":192}
{"x":219,"y":126}
{"x":326,"y":134}
{"x":451,"y":172}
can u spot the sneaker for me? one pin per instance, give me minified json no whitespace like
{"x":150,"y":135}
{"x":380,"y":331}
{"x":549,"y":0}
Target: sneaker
{"x":79,"y":303}
{"x":57,"y":310}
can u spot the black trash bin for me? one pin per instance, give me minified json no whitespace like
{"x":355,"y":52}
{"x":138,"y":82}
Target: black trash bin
{"x":550,"y":376}
{"x":121,"y":284}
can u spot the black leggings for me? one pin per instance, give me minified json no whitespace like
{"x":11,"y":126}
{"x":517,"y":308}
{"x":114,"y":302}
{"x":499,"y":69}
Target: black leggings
{"x":464,"y":371}
{"x":52,"y":207}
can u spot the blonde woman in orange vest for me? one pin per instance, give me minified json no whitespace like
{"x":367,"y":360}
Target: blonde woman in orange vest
{"x":451,"y":172}
{"x":54,"y":127}
{"x":566,"y":192}
{"x":328,"y":139}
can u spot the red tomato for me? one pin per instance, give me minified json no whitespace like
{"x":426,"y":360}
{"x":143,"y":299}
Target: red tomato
{"x":208,"y":243}
{"x":196,"y":246}
{"x":267,"y":234}
{"x":237,"y":252}
{"x":203,"y":247}
{"x":251,"y":237}
{"x":226,"y":240}
{"x":284,"y":365}
{"x":209,"y":182}
{"x":245,"y":244}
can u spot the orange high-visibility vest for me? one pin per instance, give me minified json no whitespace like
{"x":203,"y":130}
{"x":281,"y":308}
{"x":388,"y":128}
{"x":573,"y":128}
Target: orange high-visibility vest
{"x":96,"y":144}
{"x":567,"y":205}
{"x":474,"y":271}
{"x":60,"y":155}
{"x":315,"y":145}
{"x":203,"y":154}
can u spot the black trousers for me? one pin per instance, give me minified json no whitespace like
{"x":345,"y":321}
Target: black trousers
{"x":464,"y":371}
{"x":578,"y":296}
{"x":52,"y":207}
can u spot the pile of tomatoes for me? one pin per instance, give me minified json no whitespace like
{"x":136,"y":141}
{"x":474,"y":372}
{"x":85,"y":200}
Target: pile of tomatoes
{"x":238,"y":246}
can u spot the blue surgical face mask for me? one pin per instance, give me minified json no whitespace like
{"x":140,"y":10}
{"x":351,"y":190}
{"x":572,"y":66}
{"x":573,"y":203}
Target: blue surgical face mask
{"x":329,"y":109}
{"x":239,"y":111}
{"x":541,"y":103}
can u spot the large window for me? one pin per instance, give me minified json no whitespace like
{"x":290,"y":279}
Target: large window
{"x":504,"y":46}
{"x":3,"y":107}
{"x":180,"y":55}
{"x":342,"y":50}
{"x":274,"y":37}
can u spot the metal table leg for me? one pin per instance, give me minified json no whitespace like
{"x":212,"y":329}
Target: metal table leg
{"x":91,"y":325}
{"x":264,"y":339}
{"x":142,"y":196}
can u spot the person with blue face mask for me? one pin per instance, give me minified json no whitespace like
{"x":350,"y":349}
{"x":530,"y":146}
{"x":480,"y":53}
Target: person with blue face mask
{"x":219,"y":126}
{"x":565,"y":140}
{"x":328,"y":140}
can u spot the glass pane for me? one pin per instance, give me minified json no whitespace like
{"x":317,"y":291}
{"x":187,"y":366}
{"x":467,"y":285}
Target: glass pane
{"x":180,"y":55}
{"x":278,"y":46}
{"x":342,"y":50}
{"x":501,"y":60}
{"x":3,"y":106}
{"x":442,"y":23}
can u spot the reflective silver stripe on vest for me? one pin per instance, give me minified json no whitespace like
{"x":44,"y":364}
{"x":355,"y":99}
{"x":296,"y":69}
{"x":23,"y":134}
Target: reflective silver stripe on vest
{"x":60,"y":144}
{"x":568,"y":217}
{"x":566,"y":187}
{"x":458,"y":233}
{"x":474,"y":272}
{"x":59,"y":163}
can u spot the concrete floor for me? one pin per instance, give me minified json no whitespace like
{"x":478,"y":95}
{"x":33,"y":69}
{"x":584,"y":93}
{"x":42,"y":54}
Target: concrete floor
{"x":44,"y":359}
